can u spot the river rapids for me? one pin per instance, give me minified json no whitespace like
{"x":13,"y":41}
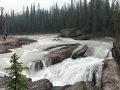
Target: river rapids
{"x":67,"y":72}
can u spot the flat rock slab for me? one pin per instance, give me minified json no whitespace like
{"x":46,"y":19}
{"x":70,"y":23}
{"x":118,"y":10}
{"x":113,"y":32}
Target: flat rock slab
{"x":12,"y":43}
{"x":61,"y":54}
{"x":61,"y":45}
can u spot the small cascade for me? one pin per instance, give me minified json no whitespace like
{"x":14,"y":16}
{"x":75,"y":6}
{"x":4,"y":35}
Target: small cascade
{"x":37,"y":65}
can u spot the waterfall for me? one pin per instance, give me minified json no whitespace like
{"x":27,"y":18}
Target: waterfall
{"x":37,"y":65}
{"x":67,"y":72}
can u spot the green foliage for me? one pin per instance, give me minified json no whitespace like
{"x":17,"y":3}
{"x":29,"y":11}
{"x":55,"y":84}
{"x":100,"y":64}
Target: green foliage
{"x":84,"y":87}
{"x":104,"y":62}
{"x":17,"y":81}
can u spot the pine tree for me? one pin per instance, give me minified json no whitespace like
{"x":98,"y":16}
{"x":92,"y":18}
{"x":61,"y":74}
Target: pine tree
{"x":116,"y":26}
{"x":17,"y":81}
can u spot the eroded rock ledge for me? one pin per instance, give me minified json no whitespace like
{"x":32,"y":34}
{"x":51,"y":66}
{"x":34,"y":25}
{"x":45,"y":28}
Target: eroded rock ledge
{"x":12,"y":43}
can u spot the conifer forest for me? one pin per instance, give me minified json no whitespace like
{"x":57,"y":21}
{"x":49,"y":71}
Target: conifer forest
{"x":97,"y":15}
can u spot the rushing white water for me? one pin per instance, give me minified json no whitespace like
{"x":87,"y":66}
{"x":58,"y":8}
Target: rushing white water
{"x":67,"y":72}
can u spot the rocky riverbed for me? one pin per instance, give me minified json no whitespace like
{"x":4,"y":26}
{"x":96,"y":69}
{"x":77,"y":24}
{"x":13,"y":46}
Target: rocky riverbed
{"x":58,"y":53}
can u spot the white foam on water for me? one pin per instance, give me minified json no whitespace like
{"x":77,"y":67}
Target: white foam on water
{"x":67,"y":72}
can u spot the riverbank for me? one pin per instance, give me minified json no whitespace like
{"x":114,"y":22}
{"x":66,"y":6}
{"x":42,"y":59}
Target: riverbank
{"x":13,"y":42}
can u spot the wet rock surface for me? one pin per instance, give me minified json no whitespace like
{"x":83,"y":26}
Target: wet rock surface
{"x":61,"y":45}
{"x":42,"y":84}
{"x":62,"y":54}
{"x":80,"y":52}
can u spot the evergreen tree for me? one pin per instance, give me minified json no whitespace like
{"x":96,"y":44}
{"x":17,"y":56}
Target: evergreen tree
{"x":98,"y":15}
{"x":85,"y":13}
{"x":117,"y":18}
{"x":27,"y":19}
{"x":17,"y":81}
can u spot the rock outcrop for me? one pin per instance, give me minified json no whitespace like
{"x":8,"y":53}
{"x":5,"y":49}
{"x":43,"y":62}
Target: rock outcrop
{"x":80,"y":85}
{"x":18,"y":42}
{"x":79,"y":52}
{"x":42,"y":84}
{"x":77,"y":34}
{"x":54,"y":56}
{"x":61,"y":45}
{"x":62,"y":54}
{"x":71,"y":32}
{"x":110,"y":76}
{"x":116,"y":52}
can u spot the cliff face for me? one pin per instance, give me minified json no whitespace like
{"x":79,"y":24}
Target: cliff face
{"x":110,"y":76}
{"x":116,"y":52}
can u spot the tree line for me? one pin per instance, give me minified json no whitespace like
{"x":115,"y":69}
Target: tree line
{"x":97,"y":15}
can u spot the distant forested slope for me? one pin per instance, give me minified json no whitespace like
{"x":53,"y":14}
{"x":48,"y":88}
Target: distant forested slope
{"x":97,"y":15}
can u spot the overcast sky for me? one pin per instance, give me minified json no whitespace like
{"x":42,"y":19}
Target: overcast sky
{"x":17,"y":5}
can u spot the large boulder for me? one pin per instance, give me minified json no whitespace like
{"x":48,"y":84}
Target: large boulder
{"x":80,"y":85}
{"x":79,"y":52}
{"x":89,"y":52}
{"x":71,"y":32}
{"x":110,"y":76}
{"x":43,"y":84}
{"x":55,"y":56}
{"x":61,"y":54}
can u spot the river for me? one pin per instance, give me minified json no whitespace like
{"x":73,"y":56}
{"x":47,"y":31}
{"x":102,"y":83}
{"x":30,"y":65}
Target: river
{"x":67,"y":72}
